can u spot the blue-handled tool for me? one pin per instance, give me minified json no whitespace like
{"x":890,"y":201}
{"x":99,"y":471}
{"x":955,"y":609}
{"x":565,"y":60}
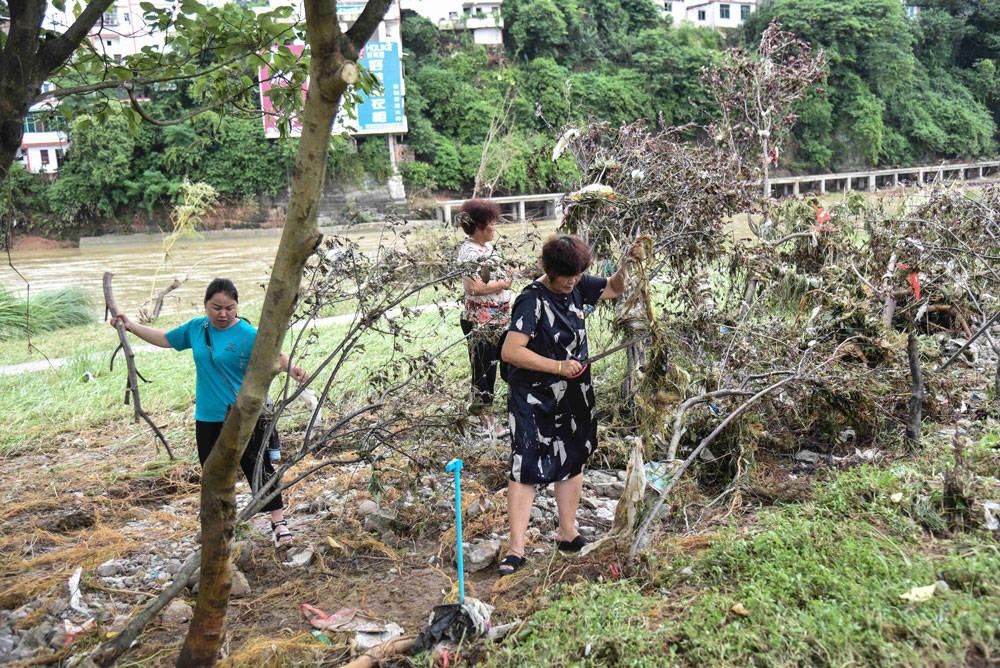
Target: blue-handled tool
{"x":456,"y":466}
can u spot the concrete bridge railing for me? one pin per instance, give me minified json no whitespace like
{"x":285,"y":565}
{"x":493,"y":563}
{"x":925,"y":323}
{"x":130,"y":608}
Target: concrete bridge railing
{"x":785,"y":186}
{"x":883,"y":178}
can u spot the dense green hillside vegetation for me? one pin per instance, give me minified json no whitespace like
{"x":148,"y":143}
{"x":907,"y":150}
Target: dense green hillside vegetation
{"x":901,"y":89}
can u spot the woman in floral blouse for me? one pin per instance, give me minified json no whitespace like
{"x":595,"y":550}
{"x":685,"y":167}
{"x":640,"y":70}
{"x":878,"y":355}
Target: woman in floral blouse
{"x":486,"y":308}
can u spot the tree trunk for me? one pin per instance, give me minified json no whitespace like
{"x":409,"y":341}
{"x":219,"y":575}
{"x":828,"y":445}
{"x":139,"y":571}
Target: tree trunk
{"x":27,"y":59}
{"x":17,"y":81}
{"x":332,"y":68}
{"x":914,"y":415}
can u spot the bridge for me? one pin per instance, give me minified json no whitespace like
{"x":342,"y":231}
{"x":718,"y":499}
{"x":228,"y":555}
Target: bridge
{"x":547,"y":205}
{"x":898,"y":177}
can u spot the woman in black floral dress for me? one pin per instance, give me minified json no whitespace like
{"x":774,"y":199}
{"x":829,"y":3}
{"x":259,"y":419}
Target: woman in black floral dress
{"x":553,"y":422}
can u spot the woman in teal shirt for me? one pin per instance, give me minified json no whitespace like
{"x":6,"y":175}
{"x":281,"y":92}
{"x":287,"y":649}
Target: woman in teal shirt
{"x":221,"y":344}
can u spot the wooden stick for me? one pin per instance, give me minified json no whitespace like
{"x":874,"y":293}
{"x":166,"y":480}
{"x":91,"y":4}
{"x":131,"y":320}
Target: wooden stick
{"x":888,"y":296}
{"x":133,"y":376}
{"x":914,"y":406}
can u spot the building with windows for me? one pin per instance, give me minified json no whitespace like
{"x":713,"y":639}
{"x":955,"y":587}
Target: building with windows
{"x":482,"y":17}
{"x":44,"y":140}
{"x":712,"y":14}
{"x":121,"y":32}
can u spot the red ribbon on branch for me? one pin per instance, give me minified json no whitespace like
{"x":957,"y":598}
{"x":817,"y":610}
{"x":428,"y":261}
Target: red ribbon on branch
{"x":914,"y":278}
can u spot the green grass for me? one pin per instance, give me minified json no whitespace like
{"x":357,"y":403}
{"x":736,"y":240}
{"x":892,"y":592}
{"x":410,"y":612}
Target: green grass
{"x":591,"y":625}
{"x":821,"y":582}
{"x":40,"y":406}
{"x":826,"y":591}
{"x":46,"y":311}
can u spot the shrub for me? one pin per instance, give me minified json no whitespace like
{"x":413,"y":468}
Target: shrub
{"x":419,"y":175}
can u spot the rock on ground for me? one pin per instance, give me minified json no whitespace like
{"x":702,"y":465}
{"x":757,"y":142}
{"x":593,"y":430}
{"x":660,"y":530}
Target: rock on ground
{"x":177,"y":612}
{"x":480,"y":554}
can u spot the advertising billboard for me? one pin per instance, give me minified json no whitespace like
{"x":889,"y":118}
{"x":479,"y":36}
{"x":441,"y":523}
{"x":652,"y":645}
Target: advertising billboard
{"x":379,"y":113}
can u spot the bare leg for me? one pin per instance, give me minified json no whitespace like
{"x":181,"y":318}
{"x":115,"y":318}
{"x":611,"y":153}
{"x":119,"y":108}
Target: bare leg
{"x":278,"y":515}
{"x":519,"y":500}
{"x":567,"y":500}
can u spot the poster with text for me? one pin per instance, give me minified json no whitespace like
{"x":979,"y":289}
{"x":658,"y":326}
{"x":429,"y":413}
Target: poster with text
{"x":379,"y":113}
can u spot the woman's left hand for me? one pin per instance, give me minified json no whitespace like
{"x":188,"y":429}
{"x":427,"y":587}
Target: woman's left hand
{"x":298,"y":374}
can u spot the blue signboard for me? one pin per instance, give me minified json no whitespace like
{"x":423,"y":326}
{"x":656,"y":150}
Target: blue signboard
{"x":380,"y":113}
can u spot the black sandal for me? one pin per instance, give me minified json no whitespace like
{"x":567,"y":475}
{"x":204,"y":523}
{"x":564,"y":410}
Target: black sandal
{"x":281,"y":537}
{"x":511,"y":564}
{"x":574,"y":545}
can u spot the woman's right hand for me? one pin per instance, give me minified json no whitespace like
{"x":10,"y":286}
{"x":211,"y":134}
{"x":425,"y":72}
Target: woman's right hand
{"x":123,"y":319}
{"x":568,"y":368}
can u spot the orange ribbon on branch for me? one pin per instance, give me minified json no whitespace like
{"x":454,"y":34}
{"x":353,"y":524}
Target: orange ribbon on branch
{"x":914,"y":278}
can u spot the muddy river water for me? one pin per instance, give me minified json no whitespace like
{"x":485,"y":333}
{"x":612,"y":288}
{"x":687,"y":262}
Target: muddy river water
{"x":140,"y":269}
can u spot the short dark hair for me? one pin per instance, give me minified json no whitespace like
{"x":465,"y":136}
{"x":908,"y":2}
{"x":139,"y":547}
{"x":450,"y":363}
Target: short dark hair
{"x":565,"y":255}
{"x":477,"y":214}
{"x":223,"y":285}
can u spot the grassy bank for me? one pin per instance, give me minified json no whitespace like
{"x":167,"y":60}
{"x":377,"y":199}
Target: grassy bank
{"x":85,"y":394}
{"x":817,"y":583}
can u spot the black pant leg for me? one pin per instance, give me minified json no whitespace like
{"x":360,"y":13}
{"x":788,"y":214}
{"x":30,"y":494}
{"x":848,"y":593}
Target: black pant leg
{"x":207,"y":433}
{"x":484,"y":354}
{"x":249,"y":462}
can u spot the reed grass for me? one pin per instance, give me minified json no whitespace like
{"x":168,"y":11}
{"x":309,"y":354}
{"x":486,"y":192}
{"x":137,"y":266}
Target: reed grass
{"x":44,"y":312}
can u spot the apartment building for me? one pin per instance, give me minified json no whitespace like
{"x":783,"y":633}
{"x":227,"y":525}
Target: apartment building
{"x":482,"y":17}
{"x":712,"y":14}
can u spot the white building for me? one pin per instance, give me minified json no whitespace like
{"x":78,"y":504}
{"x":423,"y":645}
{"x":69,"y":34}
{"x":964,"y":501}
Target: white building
{"x":121,"y":31}
{"x":712,"y":14}
{"x":44,"y":141}
{"x":482,"y":17}
{"x":43,"y":144}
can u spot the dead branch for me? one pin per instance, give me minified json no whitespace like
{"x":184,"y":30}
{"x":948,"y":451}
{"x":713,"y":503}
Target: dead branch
{"x":109,"y":652}
{"x":648,"y":521}
{"x":955,"y":313}
{"x":948,"y":362}
{"x":158,"y":300}
{"x":916,"y":392}
{"x":675,"y":439}
{"x":888,"y":297}
{"x":133,"y":375}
